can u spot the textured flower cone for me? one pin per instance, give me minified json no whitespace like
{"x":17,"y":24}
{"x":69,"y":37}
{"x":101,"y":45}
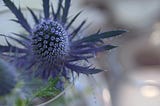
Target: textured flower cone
{"x":7,"y":78}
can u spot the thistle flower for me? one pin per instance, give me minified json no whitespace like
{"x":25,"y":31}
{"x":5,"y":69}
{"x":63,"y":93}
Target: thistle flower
{"x":51,"y":49}
{"x":7,"y":78}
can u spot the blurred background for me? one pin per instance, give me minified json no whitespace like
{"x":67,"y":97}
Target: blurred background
{"x":132,"y":71}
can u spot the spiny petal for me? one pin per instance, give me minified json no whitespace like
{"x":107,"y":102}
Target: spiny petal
{"x":33,"y":15}
{"x":66,"y":10}
{"x":18,"y":14}
{"x":94,"y":50}
{"x":73,"y":34}
{"x":84,"y":70}
{"x":4,"y":49}
{"x":58,"y":13}
{"x":74,"y":18}
{"x":22,"y":36}
{"x":53,"y":12}
{"x":46,"y":8}
{"x":73,"y":58}
{"x":18,"y":41}
{"x":96,"y":37}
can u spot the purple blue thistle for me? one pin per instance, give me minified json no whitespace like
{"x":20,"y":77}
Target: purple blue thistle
{"x":51,"y":49}
{"x":8,"y":78}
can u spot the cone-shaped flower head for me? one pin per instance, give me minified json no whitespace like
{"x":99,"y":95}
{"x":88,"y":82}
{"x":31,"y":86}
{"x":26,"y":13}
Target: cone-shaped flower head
{"x":50,"y":42}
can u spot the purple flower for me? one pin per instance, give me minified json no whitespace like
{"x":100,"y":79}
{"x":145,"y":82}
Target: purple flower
{"x":51,"y":49}
{"x":8,"y":78}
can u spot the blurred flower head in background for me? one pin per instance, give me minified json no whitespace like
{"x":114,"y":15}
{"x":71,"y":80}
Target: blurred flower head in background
{"x":8,"y":78}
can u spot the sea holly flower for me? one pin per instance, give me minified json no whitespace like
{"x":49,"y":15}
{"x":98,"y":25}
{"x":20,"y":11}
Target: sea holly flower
{"x":51,"y":49}
{"x":8,"y":78}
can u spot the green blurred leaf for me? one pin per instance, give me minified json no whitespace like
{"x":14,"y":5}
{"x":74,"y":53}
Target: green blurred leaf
{"x":21,"y":102}
{"x":50,"y":90}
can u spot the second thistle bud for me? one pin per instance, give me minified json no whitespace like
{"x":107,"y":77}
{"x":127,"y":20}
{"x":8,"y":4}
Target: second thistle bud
{"x":8,"y":78}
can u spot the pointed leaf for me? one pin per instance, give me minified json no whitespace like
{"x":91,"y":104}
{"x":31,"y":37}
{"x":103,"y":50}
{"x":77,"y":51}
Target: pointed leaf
{"x":53,"y":13}
{"x":95,"y":71}
{"x":93,"y":50}
{"x":77,"y":29}
{"x":21,"y":36}
{"x":18,"y":14}
{"x":14,"y":20}
{"x":66,"y":10}
{"x":18,"y":41}
{"x":58,"y":13}
{"x":74,"y":18}
{"x":108,"y":47}
{"x":77,"y":58}
{"x":11,"y":48}
{"x":33,"y":15}
{"x":96,"y":37}
{"x":46,"y":8}
{"x":83,"y":70}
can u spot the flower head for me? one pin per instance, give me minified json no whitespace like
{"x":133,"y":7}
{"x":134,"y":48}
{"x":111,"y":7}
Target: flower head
{"x":50,"y":42}
{"x":8,"y":78}
{"x":50,"y":49}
